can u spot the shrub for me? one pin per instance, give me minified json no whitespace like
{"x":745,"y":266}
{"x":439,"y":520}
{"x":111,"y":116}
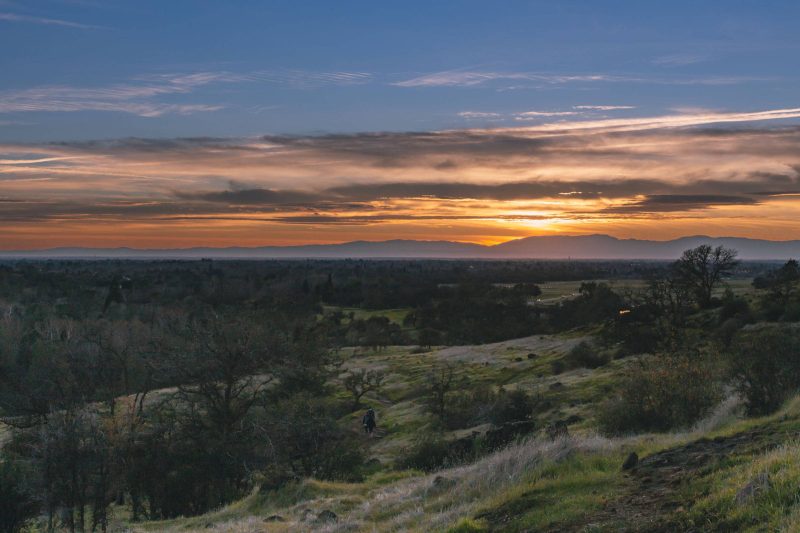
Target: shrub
{"x":765,"y":365}
{"x":469,"y":407}
{"x":513,"y":406}
{"x":585,"y":356}
{"x":557,"y":366}
{"x":734,"y":307}
{"x":659,"y":393}
{"x":430,"y":452}
{"x":480,"y":403}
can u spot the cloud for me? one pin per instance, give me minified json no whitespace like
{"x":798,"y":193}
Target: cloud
{"x":602,"y":107}
{"x":680,"y":202}
{"x":13,"y":17}
{"x":133,"y":98}
{"x":579,"y":175}
{"x":468,"y":78}
{"x":577,"y":110}
{"x":140,"y":96}
{"x":253,"y":197}
{"x":478,"y":115}
{"x":679,"y":60}
{"x":668,"y":121}
{"x":309,"y":80}
{"x":531,"y":80}
{"x":536,"y":115}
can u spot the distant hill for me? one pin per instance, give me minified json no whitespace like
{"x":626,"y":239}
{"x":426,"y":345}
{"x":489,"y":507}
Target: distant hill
{"x":539,"y":247}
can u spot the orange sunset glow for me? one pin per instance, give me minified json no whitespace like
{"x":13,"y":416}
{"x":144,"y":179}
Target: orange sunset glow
{"x":654,"y":178}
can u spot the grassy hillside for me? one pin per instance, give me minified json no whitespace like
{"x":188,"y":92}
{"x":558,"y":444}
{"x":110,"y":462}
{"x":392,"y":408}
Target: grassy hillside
{"x":728,"y":473}
{"x":697,"y":480}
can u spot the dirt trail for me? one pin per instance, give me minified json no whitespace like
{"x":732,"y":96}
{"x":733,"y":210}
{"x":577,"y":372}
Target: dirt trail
{"x":653,"y":500}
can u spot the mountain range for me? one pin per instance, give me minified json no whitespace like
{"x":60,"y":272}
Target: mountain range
{"x":537,"y":247}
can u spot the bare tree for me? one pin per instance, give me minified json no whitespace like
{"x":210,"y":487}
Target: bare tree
{"x":360,"y":382}
{"x":224,"y":366}
{"x":703,"y":268}
{"x":441,"y":381}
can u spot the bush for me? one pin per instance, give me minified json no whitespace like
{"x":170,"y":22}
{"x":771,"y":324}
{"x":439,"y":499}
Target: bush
{"x":765,"y":365}
{"x":480,"y":403}
{"x":585,"y":356}
{"x":660,"y":393}
{"x":469,"y":407}
{"x":557,"y":366}
{"x":514,"y":406}
{"x":428,"y":453}
{"x":734,"y":307}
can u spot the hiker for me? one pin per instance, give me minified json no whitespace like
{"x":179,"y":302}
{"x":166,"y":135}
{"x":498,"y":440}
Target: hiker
{"x":368,"y":421}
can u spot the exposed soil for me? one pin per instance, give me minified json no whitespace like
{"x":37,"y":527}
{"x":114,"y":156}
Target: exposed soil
{"x":652,"y":500}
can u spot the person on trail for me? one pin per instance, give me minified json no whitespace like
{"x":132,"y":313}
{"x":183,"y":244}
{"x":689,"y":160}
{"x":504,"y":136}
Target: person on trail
{"x":368,"y":421}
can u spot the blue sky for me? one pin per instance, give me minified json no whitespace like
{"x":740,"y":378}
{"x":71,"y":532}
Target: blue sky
{"x":97,"y":69}
{"x":192,"y":123}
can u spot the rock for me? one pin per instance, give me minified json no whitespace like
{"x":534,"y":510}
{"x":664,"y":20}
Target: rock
{"x":532,"y":355}
{"x":631,"y":461}
{"x":518,"y":359}
{"x":275,"y":518}
{"x":327,"y":516}
{"x":757,"y":485}
{"x":556,"y":386}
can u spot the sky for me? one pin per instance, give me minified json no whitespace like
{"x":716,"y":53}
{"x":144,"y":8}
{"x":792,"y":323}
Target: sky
{"x":155,"y":124}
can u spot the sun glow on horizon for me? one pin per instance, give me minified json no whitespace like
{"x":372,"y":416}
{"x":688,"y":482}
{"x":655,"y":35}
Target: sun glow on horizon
{"x":483,"y":186}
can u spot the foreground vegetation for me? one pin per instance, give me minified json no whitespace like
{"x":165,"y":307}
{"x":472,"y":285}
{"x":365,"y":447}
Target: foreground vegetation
{"x":197,"y":395}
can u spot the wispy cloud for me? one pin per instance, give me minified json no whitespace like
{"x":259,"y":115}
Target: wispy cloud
{"x":479,"y":115}
{"x":140,"y":96}
{"x":536,"y":115}
{"x":309,"y":80}
{"x":14,"y":17}
{"x":679,"y":60}
{"x":134,"y":98}
{"x":666,"y":121}
{"x":576,"y":110}
{"x":602,"y":107}
{"x":467,"y":78}
{"x":475,"y":78}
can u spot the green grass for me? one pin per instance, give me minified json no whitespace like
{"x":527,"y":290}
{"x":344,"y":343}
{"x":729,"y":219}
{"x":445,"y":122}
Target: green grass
{"x":394,"y":315}
{"x":468,"y":525}
{"x":769,"y":509}
{"x":563,"y":493}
